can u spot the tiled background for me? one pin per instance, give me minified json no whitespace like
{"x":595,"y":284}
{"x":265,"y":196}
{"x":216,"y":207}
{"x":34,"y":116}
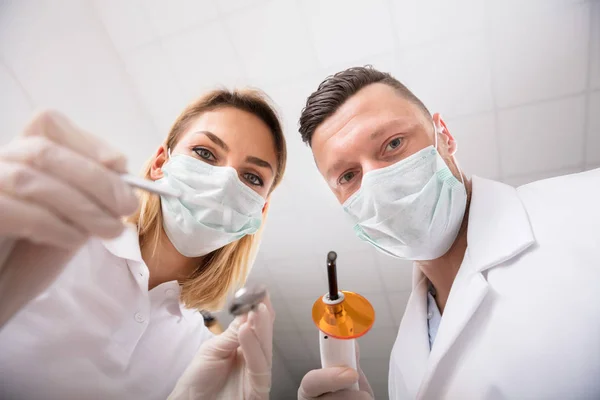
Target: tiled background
{"x":518,"y":82}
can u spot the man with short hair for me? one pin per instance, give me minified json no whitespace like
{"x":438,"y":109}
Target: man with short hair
{"x":503,"y":303}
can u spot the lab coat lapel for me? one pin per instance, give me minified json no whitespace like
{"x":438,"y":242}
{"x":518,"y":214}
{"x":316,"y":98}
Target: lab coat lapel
{"x":127,"y":247}
{"x":467,"y":293}
{"x":498,"y":230}
{"x":411,"y":349}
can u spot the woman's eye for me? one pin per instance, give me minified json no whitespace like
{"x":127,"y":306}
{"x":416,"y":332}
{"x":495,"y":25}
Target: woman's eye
{"x":204,"y":154}
{"x":253,"y":179}
{"x":347,"y":177}
{"x":394,"y":144}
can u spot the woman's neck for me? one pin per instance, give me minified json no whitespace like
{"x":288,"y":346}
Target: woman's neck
{"x":165,"y":263}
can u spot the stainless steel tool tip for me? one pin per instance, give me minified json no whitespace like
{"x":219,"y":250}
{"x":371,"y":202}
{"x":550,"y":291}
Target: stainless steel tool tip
{"x":246,"y":299}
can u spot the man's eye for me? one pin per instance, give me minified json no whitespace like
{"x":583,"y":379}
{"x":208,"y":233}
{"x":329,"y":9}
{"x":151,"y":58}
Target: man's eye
{"x":394,"y":144}
{"x":253,"y":179}
{"x":347,"y":177}
{"x":205,"y":154}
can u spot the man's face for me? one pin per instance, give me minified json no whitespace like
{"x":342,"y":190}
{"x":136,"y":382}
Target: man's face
{"x":373,"y":129}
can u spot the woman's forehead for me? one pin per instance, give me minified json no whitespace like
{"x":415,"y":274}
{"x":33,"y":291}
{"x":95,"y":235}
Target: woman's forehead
{"x":230,"y":122}
{"x":240,"y":130}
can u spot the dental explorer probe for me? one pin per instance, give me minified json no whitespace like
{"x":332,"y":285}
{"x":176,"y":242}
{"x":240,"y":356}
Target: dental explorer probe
{"x":150,"y":186}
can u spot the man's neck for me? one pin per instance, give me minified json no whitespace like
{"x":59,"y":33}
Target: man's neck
{"x":442,"y":271}
{"x":165,"y":263}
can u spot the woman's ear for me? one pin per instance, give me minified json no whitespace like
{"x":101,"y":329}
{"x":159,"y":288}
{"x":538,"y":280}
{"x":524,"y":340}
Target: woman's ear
{"x":265,"y":207}
{"x":444,"y":134}
{"x":159,"y":160}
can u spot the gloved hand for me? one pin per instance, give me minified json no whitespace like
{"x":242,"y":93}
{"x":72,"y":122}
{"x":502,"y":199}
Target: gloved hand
{"x":331,"y":383}
{"x":235,"y":364}
{"x":58,"y":186}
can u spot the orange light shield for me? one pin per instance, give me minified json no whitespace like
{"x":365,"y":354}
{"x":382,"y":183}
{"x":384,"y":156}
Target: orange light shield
{"x":348,"y":319}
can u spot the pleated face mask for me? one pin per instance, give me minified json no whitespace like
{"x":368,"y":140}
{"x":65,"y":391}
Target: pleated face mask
{"x":412,"y":209}
{"x":215,"y":208}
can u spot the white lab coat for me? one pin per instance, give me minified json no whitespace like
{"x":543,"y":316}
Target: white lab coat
{"x":97,"y":332}
{"x":523,"y":317}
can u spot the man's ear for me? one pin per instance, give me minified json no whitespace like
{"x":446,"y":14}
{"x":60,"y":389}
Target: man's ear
{"x":159,"y":160}
{"x":444,"y":135}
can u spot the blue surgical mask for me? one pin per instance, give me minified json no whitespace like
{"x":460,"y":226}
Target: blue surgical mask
{"x":216,"y":208}
{"x":412,"y":209}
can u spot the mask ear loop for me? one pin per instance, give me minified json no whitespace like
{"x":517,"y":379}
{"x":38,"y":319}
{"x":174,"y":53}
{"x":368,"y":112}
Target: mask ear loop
{"x":435,"y":135}
{"x":438,"y":132}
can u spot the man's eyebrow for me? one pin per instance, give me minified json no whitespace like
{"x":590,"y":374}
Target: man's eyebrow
{"x":402,"y":124}
{"x":337,"y":165}
{"x":215,"y":139}
{"x":395,"y":123}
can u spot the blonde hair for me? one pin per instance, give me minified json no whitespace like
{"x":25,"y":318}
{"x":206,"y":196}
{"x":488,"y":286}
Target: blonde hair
{"x":227,"y":267}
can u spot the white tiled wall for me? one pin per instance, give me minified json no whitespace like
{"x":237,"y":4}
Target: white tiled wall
{"x":592,"y":144}
{"x":419,"y":22}
{"x":354,"y":30}
{"x":272,"y":41}
{"x":451,"y":75}
{"x":518,"y":82}
{"x":542,"y":136}
{"x":168,"y":18}
{"x":201,"y":57}
{"x":594,"y":70}
{"x":533,"y":60}
{"x":478,"y":147}
{"x":15,"y":105}
{"x":161,"y":97}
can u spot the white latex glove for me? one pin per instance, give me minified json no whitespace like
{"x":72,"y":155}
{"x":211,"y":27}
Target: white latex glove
{"x":235,"y":364}
{"x":58,"y":186}
{"x":331,"y":383}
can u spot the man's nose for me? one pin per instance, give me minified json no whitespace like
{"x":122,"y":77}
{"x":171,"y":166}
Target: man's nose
{"x":370,"y":164}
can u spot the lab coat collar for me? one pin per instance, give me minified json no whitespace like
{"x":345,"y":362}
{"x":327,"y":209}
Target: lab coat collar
{"x":499,"y":227}
{"x":127,"y":246}
{"x":191,"y":315}
{"x":498,"y":230}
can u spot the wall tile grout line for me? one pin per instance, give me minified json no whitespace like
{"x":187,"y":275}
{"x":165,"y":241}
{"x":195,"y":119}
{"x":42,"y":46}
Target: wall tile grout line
{"x":130,"y":83}
{"x":490,"y":48}
{"x":222,"y":19}
{"x":32,"y":104}
{"x":588,"y":84}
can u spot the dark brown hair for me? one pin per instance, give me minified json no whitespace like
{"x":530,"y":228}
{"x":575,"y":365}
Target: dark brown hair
{"x":336,"y":89}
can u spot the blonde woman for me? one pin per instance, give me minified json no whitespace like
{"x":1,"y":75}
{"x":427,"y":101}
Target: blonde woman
{"x":92,"y":309}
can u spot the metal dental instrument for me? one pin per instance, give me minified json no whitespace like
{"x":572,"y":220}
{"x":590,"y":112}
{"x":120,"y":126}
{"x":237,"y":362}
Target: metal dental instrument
{"x":150,"y":186}
{"x":246,"y":299}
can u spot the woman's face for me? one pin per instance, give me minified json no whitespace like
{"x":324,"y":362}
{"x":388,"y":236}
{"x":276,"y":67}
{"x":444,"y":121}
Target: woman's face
{"x":233,"y":138}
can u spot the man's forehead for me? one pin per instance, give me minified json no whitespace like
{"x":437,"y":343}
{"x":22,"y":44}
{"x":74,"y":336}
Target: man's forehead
{"x":372,"y":108}
{"x":365,"y":101}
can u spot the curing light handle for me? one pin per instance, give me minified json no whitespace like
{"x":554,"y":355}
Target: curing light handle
{"x":338,"y":353}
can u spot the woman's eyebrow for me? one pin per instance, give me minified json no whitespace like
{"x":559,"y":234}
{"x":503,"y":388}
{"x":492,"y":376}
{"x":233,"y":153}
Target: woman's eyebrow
{"x":214,"y":138}
{"x":259,"y":161}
